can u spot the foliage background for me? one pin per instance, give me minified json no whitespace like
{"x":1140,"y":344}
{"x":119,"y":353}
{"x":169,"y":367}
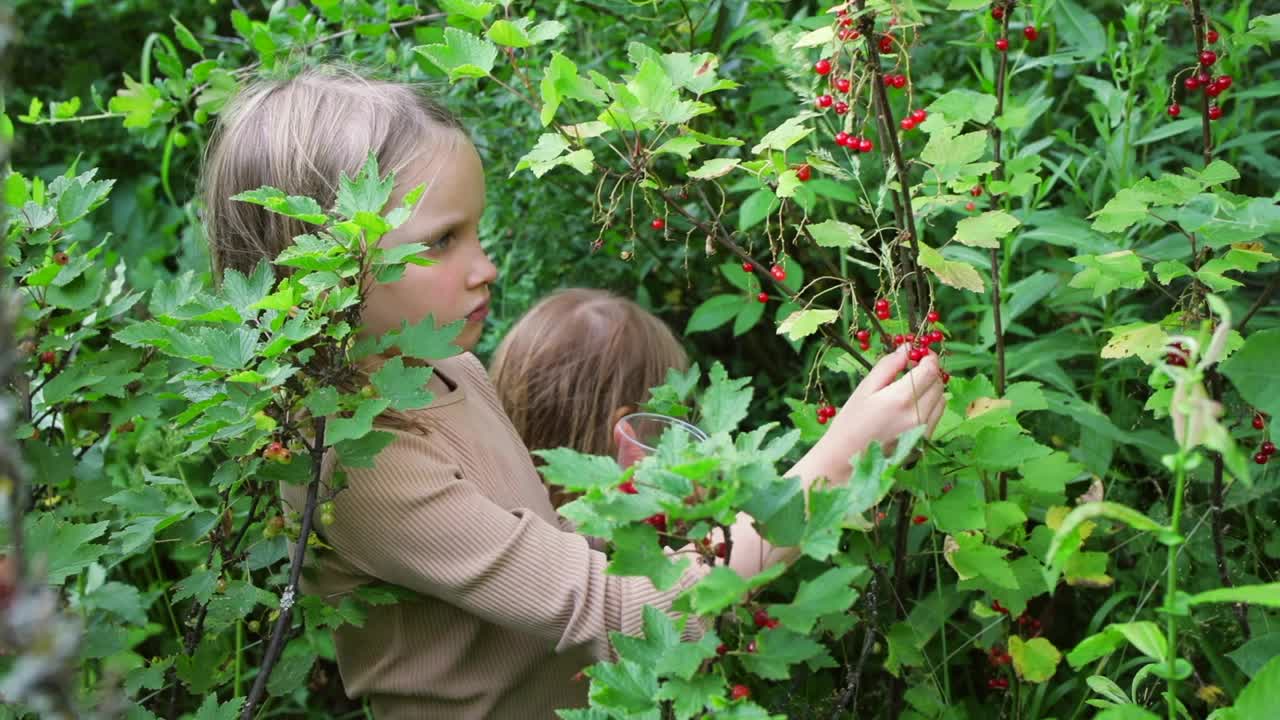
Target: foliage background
{"x":1098,"y":125}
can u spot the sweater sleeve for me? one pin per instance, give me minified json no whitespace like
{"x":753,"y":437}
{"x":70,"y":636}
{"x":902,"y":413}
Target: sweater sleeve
{"x":415,"y":522}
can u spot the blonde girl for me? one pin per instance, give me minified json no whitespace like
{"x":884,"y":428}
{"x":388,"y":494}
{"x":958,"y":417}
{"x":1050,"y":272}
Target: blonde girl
{"x":576,"y":363}
{"x":509,"y":603}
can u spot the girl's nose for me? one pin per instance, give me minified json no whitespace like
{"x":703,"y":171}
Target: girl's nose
{"x":484,"y":272}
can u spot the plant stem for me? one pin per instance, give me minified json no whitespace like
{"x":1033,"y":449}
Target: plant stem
{"x":1171,"y":589}
{"x":279,"y":633}
{"x":996,"y":138}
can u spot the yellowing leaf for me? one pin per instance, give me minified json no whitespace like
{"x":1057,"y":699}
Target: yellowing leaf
{"x":956,"y":274}
{"x":803,"y":323}
{"x":1146,"y":340}
{"x":1034,"y":660}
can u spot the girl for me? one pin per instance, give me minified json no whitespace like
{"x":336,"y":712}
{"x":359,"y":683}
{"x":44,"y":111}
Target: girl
{"x":575,"y":364}
{"x":510,"y":604}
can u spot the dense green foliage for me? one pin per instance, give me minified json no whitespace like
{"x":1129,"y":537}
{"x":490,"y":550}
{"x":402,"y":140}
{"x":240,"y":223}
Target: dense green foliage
{"x":1088,"y":533}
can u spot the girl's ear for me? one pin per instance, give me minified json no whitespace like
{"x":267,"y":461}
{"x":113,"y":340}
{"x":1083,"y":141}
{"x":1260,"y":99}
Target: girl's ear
{"x":620,"y":413}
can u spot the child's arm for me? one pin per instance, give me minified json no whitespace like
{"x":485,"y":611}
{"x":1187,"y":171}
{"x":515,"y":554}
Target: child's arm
{"x":879,"y":409}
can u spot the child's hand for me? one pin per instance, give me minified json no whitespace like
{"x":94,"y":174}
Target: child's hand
{"x":882,"y":408}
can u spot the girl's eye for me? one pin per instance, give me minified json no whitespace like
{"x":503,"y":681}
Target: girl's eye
{"x":442,"y":244}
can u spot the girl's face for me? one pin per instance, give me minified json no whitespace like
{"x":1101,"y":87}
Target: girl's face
{"x":447,"y":221}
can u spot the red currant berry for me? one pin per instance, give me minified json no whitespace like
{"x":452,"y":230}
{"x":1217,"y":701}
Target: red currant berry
{"x":751,"y":646}
{"x":883,"y":314}
{"x":1268,"y":447}
{"x":865,"y":145}
{"x":658,"y":224}
{"x":882,"y":304}
{"x":804,"y":172}
{"x":628,"y":488}
{"x":822,"y":67}
{"x":761,"y":617}
{"x":916,"y":354}
{"x":1002,"y":45}
{"x":1203,"y":78}
{"x":946,"y":488}
{"x":995,"y":605}
{"x":1031,"y":33}
{"x":850,"y":34}
{"x":843,"y":85}
{"x":1174,"y":110}
{"x":932,"y":316}
{"x":658,"y":522}
{"x":919,"y":115}
{"x":900,"y":81}
{"x":863,"y":335}
{"x":1208,"y":57}
{"x":48,"y":357}
{"x":1258,"y":422}
{"x":907,"y":123}
{"x":864,"y":345}
{"x":997,"y":11}
{"x":1215,"y":112}
{"x":822,"y":419}
{"x":970,"y":206}
{"x":61,"y":258}
{"x":747,"y":267}
{"x":1261,"y":458}
{"x":1211,"y":37}
{"x":946,"y":377}
{"x":842,"y":137}
{"x":762,"y":298}
{"x":721,"y":551}
{"x":778,"y":273}
{"x":920,"y":519}
{"x":886,"y":43}
{"x":722,"y":649}
{"x":1224,"y":81}
{"x":846,"y":22}
{"x":841,"y":107}
{"x":1213,"y":90}
{"x":739,"y":692}
{"x":976,"y":191}
{"x":1191,"y":83}
{"x":899,"y":340}
{"x":824,"y":101}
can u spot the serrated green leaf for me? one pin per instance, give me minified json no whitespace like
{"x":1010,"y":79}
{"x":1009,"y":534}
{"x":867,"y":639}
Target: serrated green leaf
{"x":956,"y":274}
{"x":803,"y":323}
{"x":825,"y":594}
{"x":461,"y":55}
{"x":1107,"y":273}
{"x":985,"y":230}
{"x":1034,"y":660}
{"x":833,"y":233}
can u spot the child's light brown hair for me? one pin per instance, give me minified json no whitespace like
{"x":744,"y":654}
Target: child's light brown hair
{"x":300,"y":135}
{"x":573,"y":360}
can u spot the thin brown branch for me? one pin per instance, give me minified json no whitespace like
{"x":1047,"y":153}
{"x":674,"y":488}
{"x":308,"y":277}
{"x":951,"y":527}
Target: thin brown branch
{"x":280,"y":632}
{"x":1261,"y":302}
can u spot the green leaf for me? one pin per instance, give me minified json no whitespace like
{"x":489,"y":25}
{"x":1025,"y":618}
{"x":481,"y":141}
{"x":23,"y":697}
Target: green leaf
{"x":359,"y":424}
{"x":828,"y":593}
{"x":682,"y":145}
{"x":1143,"y":635}
{"x":790,"y":132}
{"x":972,"y":558}
{"x":185,"y":38}
{"x":713,"y":313}
{"x":62,"y":548}
{"x":462,"y":55}
{"x":833,"y":233}
{"x":405,"y":387}
{"x":1252,"y":371}
{"x":985,"y":230}
{"x":1264,"y":595}
{"x":960,"y":106}
{"x":1110,"y":272}
{"x":576,"y":471}
{"x":956,"y":274}
{"x":424,"y":340}
{"x":1004,"y":448}
{"x":295,"y":206}
{"x":756,"y":208}
{"x":725,"y":403}
{"x":211,"y":709}
{"x":716,"y":591}
{"x":140,"y":103}
{"x":1034,"y":660}
{"x":1145,"y":340}
{"x":778,"y":649}
{"x":359,"y":453}
{"x":714,"y":168}
{"x":636,"y":552}
{"x":1081,"y":32}
{"x":1110,"y":510}
{"x":1258,"y":699}
{"x":510,"y":34}
{"x":560,"y":82}
{"x":469,"y":9}
{"x":550,"y":152}
{"x":1253,"y":655}
{"x":803,"y":323}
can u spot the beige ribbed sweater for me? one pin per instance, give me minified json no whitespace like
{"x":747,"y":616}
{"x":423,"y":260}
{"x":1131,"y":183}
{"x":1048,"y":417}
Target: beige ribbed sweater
{"x":512,"y":603}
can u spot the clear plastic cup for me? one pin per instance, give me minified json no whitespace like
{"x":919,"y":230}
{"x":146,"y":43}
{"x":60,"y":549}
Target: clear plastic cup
{"x":638,"y":435}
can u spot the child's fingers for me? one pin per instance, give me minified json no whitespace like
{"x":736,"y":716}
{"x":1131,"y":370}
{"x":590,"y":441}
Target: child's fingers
{"x":883,"y":373}
{"x":921,"y":378}
{"x":935,"y":414}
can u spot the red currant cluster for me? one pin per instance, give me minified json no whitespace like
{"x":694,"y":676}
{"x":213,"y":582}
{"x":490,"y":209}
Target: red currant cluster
{"x":658,"y":522}
{"x":825,"y":413}
{"x":856,"y":144}
{"x":1201,"y":79}
{"x":919,"y":519}
{"x":762,"y":619}
{"x":739,"y":692}
{"x":278,"y":453}
{"x":998,"y":684}
{"x":895,"y":81}
{"x":915,"y":118}
{"x":1267,"y":448}
{"x":882,"y":309}
{"x":998,"y":657}
{"x":1028,"y":624}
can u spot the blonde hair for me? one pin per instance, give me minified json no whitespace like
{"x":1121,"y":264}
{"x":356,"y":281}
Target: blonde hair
{"x":300,"y":135}
{"x":573,"y":360}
